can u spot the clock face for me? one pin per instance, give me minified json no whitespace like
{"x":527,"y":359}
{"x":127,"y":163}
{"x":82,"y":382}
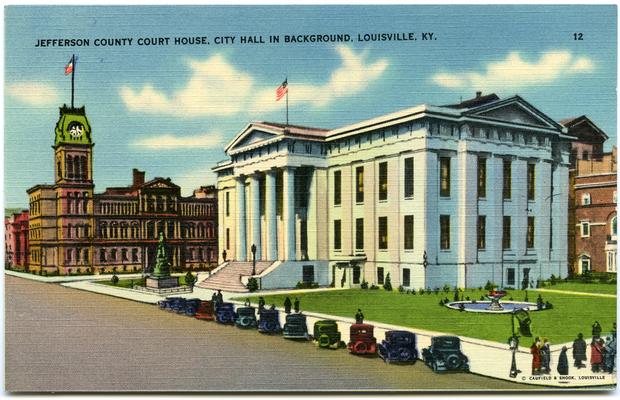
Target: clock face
{"x":75,"y":129}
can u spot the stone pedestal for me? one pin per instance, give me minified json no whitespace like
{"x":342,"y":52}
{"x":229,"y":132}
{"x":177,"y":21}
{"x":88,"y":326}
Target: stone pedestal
{"x":162,"y":283}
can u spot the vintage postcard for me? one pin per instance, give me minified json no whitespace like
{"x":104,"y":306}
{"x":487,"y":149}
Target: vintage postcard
{"x":310,"y":198}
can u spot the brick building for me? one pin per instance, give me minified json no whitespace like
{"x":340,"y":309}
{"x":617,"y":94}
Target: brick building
{"x":73,"y":229}
{"x":592,"y":200}
{"x":16,"y":240}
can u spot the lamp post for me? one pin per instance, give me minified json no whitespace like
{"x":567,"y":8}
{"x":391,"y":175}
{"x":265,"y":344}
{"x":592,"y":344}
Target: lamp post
{"x":253,"y":259}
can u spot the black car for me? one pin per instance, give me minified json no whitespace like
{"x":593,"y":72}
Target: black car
{"x":295,"y":327}
{"x":445,"y":354}
{"x":269,"y":321}
{"x":398,"y":347}
{"x":225,"y":313}
{"x":246,"y":318}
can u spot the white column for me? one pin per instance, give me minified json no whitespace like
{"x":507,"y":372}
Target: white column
{"x":255,"y":201}
{"x":241,"y":243}
{"x":288,"y":211}
{"x":270,"y":216}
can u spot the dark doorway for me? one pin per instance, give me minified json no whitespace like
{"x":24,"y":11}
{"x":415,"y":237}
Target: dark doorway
{"x":308,"y":273}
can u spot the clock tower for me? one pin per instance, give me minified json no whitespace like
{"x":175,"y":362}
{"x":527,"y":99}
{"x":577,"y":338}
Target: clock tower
{"x":73,"y":148}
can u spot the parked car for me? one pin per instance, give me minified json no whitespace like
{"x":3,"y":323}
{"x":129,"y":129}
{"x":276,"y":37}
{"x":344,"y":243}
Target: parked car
{"x":398,"y":347}
{"x":326,"y":334}
{"x":225,"y":313}
{"x":269,"y":321}
{"x":205,"y":310}
{"x":246,"y":318}
{"x":445,"y":354}
{"x":170,"y":303}
{"x":295,"y":327}
{"x":189,"y":307}
{"x":362,"y":340}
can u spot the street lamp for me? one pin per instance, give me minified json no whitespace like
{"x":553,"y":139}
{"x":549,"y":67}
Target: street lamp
{"x":253,"y":259}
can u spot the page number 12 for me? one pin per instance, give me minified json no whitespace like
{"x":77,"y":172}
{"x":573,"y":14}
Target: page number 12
{"x":578,"y":36}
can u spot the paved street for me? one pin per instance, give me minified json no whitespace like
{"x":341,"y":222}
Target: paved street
{"x":62,"y":339}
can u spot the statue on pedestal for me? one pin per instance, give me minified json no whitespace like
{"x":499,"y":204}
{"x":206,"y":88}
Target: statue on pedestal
{"x":162,"y":265}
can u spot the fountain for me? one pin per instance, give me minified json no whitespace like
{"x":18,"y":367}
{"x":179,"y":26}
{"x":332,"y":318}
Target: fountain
{"x":493,"y":305}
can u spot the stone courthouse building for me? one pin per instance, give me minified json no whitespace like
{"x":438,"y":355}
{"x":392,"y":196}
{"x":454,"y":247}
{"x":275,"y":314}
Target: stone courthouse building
{"x":73,"y":229}
{"x":456,"y":194}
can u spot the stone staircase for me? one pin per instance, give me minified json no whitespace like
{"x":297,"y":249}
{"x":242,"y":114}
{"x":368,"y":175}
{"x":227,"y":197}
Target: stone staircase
{"x":228,"y":279}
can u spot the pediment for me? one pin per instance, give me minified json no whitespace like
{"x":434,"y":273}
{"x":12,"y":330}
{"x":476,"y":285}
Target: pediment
{"x":514,"y":111}
{"x":254,"y":136}
{"x":160,"y":183}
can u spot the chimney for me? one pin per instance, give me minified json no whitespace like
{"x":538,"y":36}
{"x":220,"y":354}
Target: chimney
{"x":478,"y":94}
{"x":138,"y":178}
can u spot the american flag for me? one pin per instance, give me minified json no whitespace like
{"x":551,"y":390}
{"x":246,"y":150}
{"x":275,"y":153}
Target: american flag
{"x":69,"y":67}
{"x":282,"y":90}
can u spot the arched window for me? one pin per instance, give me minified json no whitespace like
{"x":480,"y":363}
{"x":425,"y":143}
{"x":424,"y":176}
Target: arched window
{"x":586,"y":200}
{"x":614,"y":226}
{"x":584,"y":264}
{"x":69,"y":167}
{"x":102,"y":257}
{"x":113,"y":255}
{"x":585,"y":155}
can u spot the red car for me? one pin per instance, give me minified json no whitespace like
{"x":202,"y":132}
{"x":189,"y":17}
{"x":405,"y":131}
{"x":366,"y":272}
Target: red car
{"x":205,"y":310}
{"x":362,"y":340}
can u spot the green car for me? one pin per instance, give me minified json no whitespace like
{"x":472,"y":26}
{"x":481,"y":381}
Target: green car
{"x":326,"y":334}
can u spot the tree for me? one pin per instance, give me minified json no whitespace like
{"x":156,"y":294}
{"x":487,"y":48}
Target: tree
{"x":114,"y":280}
{"x":252,"y":285}
{"x":190,"y":279}
{"x":456,"y":294}
{"x":387,"y":285}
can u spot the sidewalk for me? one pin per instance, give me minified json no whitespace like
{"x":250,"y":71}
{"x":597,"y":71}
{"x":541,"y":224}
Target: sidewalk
{"x":74,"y":278}
{"x":487,"y":358}
{"x":613,"y":296}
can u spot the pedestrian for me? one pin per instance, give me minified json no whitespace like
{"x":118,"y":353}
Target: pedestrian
{"x":613,"y":332}
{"x":610,"y":354}
{"x":579,"y":351}
{"x":287,"y":305}
{"x":214,"y":299}
{"x":596,"y":330}
{"x":247,"y":302}
{"x":359,"y":317}
{"x":273,"y":307}
{"x":563,"y":362}
{"x":535,"y":350}
{"x":261,"y":303}
{"x":296,"y":305}
{"x":545,"y":357}
{"x":220,"y":297}
{"x":596,"y":355}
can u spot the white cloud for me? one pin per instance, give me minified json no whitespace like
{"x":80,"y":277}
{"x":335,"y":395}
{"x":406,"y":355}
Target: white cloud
{"x":34,"y":93}
{"x":514,"y":72}
{"x":174,"y":142}
{"x":215,"y":87}
{"x":350,"y":78}
{"x":194,"y":178}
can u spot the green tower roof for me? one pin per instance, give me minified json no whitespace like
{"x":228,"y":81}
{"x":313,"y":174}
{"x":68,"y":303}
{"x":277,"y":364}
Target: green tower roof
{"x":73,"y":127}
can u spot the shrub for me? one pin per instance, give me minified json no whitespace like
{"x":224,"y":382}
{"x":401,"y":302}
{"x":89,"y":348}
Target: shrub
{"x":304,"y":285}
{"x":374,"y":287}
{"x":421,"y":291}
{"x":441,"y":302}
{"x":364,"y":284}
{"x":456,"y":294}
{"x":553,"y":279}
{"x":467,"y":298}
{"x":489,"y":285}
{"x":413,"y":291}
{"x":401,"y":289}
{"x":114,"y":280}
{"x":436,"y":291}
{"x":190,"y":279}
{"x":446,"y":288}
{"x":387,"y":285}
{"x":252,"y":285}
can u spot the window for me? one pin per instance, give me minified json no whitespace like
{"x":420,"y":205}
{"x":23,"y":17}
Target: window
{"x":308,"y":273}
{"x":531,"y":175}
{"x":337,"y":188}
{"x":380,"y":275}
{"x":614,"y":227}
{"x":482,"y":177}
{"x":506,"y":232}
{"x":585,"y":229}
{"x":337,"y":239}
{"x":359,"y":184}
{"x":134,"y":255}
{"x":408,"y":232}
{"x":383,"y":233}
{"x":530,"y":233}
{"x":227,"y":204}
{"x":124,"y":255}
{"x":482,"y":227}
{"x":356,"y":274}
{"x":359,"y":233}
{"x":511,"y":276}
{"x":611,"y":261}
{"x":615,"y":198}
{"x":444,"y":240}
{"x":586,"y":200}
{"x":585,"y":155}
{"x":585,"y":264}
{"x":408,"y":184}
{"x":406,"y":277}
{"x":227,"y":239}
{"x":444,"y":175}
{"x":383,"y":181}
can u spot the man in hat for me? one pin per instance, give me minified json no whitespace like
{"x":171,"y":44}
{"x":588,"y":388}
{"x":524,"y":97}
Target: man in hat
{"x":579,"y":351}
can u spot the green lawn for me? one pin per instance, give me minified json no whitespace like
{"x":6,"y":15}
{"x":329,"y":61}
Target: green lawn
{"x":570,"y":315}
{"x":605,"y":288}
{"x":129,"y":283}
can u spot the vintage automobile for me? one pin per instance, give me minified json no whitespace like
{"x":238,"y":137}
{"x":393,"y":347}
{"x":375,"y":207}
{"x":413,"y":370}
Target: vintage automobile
{"x":205,"y":311}
{"x":445,"y":354}
{"x":398,"y":347}
{"x":326,"y":334}
{"x":269,"y":321}
{"x":362,"y":340}
{"x":295,"y":327}
{"x":225,"y":313}
{"x":189,"y":307}
{"x":170,"y":303}
{"x":246,"y":318}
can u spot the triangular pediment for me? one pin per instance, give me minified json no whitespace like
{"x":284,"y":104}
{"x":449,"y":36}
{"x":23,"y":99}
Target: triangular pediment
{"x":252,"y":137}
{"x":252,"y":134}
{"x":515,"y":111}
{"x":160,"y":183}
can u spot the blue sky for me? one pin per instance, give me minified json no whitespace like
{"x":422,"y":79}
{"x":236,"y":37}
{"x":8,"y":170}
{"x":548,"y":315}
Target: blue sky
{"x":170,"y":110}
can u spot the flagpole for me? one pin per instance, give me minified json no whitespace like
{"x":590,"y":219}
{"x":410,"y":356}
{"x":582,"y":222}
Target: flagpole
{"x":72,"y":79}
{"x":286,"y":79}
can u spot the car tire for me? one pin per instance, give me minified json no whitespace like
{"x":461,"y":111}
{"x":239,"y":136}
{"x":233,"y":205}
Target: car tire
{"x":244,"y":322}
{"x":404,"y":354}
{"x":323,"y":341}
{"x":453,"y":361}
{"x":360,"y":347}
{"x":392,"y":355}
